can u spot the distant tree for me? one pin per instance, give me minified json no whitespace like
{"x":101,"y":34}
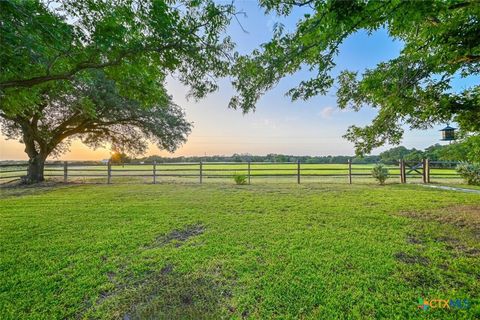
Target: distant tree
{"x":441,"y":45}
{"x":467,"y":149}
{"x":394,"y":154}
{"x":433,"y":152}
{"x":54,"y":52}
{"x":119,"y":158}
{"x":414,"y":155}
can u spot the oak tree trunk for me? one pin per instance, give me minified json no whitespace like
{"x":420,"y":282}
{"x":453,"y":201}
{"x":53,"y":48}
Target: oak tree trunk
{"x":36,"y":166}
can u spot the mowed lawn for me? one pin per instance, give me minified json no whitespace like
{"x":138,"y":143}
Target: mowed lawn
{"x":263,"y":251}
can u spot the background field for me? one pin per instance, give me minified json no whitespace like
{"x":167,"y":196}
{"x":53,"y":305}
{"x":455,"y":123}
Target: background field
{"x":261,"y":251}
{"x":214,"y":172}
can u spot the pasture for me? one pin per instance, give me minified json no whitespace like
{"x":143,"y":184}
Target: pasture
{"x":223,"y":172}
{"x":260,"y":251}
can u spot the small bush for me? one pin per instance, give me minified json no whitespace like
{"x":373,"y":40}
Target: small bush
{"x":470,"y":172}
{"x":380,"y":173}
{"x":240,"y":179}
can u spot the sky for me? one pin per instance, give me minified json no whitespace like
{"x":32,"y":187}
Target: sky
{"x":313,"y":127}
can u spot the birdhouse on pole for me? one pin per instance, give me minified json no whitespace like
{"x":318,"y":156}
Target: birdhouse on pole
{"x":448,"y":133}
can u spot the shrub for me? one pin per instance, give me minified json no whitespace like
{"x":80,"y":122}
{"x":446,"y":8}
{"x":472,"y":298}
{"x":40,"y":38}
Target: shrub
{"x":240,"y":179}
{"x":470,"y":172}
{"x":380,"y":173}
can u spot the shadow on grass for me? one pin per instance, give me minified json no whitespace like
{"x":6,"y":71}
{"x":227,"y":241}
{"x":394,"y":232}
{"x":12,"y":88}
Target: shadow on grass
{"x":166,"y":294}
{"x":180,"y":296}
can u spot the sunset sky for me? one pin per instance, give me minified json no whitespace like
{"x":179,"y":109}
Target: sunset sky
{"x":313,"y":127}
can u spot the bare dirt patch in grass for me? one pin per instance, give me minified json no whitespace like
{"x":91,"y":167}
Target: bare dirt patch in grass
{"x":167,"y":294}
{"x":411,"y":259}
{"x":179,"y":236}
{"x":18,"y":189}
{"x":465,"y":217}
{"x":412,"y":239}
{"x":180,"y":296}
{"x":453,"y":244}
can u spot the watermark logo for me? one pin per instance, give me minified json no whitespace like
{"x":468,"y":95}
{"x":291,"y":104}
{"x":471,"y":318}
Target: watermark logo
{"x":443,"y":304}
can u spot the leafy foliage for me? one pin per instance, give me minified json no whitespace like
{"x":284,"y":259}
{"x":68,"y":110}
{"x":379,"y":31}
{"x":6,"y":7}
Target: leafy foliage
{"x":44,"y":43}
{"x":96,"y":70}
{"x":380,"y":173}
{"x":240,"y":179}
{"x":441,"y":44}
{"x":470,"y":172}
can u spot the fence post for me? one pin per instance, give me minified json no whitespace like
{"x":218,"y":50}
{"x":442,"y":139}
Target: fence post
{"x":154,"y":171}
{"x":298,"y":171}
{"x":350,"y":171}
{"x":403,"y":174}
{"x":248,"y":172}
{"x":401,"y":170}
{"x":65,"y":171}
{"x":428,"y":170}
{"x":109,"y":172}
{"x":201,"y":173}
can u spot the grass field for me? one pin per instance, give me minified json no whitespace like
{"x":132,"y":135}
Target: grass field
{"x":264,"y":251}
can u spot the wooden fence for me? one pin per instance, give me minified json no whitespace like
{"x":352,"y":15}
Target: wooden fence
{"x":423,"y":171}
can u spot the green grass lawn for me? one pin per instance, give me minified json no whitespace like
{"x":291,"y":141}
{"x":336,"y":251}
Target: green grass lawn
{"x":261,"y":251}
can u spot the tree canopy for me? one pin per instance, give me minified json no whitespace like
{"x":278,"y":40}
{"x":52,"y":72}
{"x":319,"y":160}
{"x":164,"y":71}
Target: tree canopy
{"x":441,"y":44}
{"x":44,"y":43}
{"x":96,"y":70}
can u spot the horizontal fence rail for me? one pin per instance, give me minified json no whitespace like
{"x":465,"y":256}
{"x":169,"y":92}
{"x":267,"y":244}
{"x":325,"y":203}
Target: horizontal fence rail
{"x":424,"y":171}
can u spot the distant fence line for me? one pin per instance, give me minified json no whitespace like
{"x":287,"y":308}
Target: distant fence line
{"x":404,"y":170}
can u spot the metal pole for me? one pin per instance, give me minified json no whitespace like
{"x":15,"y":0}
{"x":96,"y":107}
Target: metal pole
{"x":298,"y":171}
{"x":154,"y":172}
{"x":248,"y":172}
{"x":201,"y":173}
{"x":65,"y":171}
{"x":350,"y":171}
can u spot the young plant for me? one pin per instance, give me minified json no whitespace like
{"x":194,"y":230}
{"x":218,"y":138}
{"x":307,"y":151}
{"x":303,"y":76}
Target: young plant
{"x":470,"y":172}
{"x":380,"y":173}
{"x":240,"y":179}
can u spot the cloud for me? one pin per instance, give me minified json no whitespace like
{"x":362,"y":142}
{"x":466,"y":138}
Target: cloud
{"x":269,"y":124}
{"x":327,"y":112}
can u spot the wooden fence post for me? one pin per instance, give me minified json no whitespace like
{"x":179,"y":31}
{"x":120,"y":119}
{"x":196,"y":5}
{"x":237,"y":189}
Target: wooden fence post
{"x":201,"y":173}
{"x":154,"y":172}
{"x":109,"y":172}
{"x":298,"y":171}
{"x":400,"y":168}
{"x":248,"y":172}
{"x":65,"y":171}
{"x":403,"y":175}
{"x":426,"y":171}
{"x":350,"y":171}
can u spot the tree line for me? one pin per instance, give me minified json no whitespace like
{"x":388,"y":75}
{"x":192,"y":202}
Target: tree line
{"x":437,"y":152}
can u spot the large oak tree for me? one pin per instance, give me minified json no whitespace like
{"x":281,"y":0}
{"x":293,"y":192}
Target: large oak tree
{"x":94,"y":112}
{"x":441,"y":44}
{"x":96,"y":70}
